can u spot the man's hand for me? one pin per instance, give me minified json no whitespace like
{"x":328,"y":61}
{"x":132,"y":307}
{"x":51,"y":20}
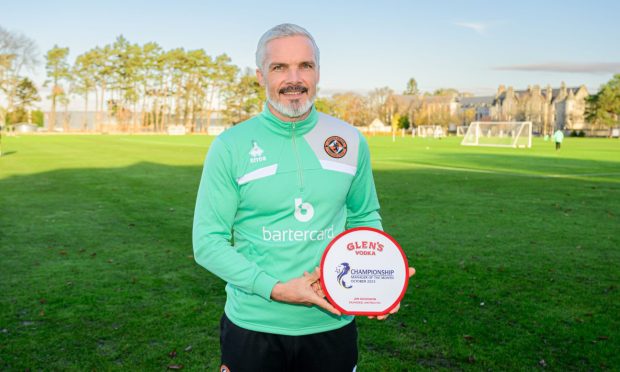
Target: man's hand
{"x":394,"y":310}
{"x":316,"y":285}
{"x":302,"y":290}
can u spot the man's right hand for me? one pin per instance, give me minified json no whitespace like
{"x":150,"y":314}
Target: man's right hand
{"x":300,"y":291}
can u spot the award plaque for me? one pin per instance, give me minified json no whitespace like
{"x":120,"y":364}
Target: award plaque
{"x":364,"y":272}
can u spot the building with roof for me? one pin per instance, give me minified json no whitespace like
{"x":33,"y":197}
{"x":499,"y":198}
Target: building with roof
{"x":428,"y":110}
{"x":548,"y":109}
{"x":376,"y":127}
{"x":480,"y":106}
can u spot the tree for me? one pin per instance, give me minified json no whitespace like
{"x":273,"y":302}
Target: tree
{"x":446,"y":92}
{"x":352,"y":108}
{"x":26,"y":94}
{"x":102,"y":70}
{"x":394,"y":123}
{"x":66,"y":118}
{"x":603,"y":108}
{"x":221,"y":79}
{"x":467,"y":116}
{"x":244,"y":98}
{"x":381,"y":103}
{"x":412,"y":88}
{"x":57,"y":70}
{"x":83,"y":81}
{"x":17,"y":52}
{"x":126,"y":61}
{"x":152,"y":70}
{"x":429,"y":113}
{"x":403,"y":122}
{"x":326,"y":105}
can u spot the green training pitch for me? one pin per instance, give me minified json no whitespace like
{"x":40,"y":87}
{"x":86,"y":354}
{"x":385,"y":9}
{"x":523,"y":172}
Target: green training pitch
{"x":517,"y":253}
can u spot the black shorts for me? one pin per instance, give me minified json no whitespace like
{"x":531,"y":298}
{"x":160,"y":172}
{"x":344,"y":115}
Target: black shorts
{"x":245,"y":350}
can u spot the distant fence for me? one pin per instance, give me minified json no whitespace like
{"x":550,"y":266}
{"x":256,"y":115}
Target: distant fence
{"x":79,"y":121}
{"x":597,"y":132}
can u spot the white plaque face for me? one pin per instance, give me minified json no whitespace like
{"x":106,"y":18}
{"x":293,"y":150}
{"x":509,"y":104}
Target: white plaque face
{"x":364,"y":272}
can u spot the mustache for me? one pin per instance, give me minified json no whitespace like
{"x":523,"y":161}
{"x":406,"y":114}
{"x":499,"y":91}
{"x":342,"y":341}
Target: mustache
{"x":293,"y":89}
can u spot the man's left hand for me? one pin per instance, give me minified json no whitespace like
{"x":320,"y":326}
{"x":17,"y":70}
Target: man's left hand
{"x":316,"y":286}
{"x":394,"y":310}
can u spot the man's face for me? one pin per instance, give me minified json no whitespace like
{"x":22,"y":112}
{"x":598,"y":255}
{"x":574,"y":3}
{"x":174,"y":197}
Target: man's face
{"x":290,"y":75}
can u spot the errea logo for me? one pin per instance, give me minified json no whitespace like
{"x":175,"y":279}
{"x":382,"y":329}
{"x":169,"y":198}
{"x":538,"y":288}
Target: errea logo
{"x":303,"y":211}
{"x":256,"y":153}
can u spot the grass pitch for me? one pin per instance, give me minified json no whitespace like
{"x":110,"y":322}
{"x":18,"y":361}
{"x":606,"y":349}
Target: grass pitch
{"x":517,"y":252}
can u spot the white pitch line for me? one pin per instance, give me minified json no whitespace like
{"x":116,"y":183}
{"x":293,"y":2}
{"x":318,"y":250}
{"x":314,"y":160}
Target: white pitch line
{"x":487,"y":171}
{"x":163,"y":143}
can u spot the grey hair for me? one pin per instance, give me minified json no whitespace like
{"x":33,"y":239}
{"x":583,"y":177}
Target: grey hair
{"x":280,"y":31}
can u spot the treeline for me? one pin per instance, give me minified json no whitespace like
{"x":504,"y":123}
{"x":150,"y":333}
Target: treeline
{"x":144,"y":87}
{"x":411,"y":108}
{"x":141,"y":86}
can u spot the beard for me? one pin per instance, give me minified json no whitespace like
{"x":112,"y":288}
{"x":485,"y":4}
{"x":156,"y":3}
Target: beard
{"x":295,"y":108}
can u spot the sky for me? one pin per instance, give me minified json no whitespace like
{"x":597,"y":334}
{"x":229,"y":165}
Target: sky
{"x":472,"y":46}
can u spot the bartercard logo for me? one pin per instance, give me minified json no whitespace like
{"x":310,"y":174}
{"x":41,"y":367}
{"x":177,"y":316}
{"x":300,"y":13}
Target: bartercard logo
{"x":256,"y":153}
{"x":290,"y":235}
{"x":303,"y":211}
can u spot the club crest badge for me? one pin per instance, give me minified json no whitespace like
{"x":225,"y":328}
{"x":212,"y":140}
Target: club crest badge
{"x":335,"y":146}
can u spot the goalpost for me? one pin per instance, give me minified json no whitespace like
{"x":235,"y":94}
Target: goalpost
{"x":435,"y":131}
{"x":461,"y":130}
{"x":499,"y":134}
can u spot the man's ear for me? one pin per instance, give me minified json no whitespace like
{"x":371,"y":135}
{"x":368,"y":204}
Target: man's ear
{"x":260,"y":77}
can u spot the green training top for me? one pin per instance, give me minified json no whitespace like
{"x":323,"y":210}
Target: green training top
{"x":272,"y":196}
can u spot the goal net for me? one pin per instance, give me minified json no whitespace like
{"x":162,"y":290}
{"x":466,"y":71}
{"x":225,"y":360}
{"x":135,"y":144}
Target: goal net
{"x":432,"y":131}
{"x":461,"y":130}
{"x":499,"y":134}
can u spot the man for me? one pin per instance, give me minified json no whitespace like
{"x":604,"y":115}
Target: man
{"x":558,"y":137}
{"x":280,"y":186}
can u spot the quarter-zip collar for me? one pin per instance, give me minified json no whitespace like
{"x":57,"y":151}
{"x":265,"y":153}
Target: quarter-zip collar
{"x":286,"y":128}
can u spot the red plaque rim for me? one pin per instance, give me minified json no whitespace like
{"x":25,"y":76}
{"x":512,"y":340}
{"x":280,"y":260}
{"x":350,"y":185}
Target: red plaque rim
{"x":370,"y":313}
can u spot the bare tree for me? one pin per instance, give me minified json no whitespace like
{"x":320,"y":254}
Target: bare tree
{"x":17,"y":52}
{"x":382,"y":104}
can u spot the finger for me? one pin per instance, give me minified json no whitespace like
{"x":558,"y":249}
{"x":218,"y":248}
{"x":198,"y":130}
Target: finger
{"x":319,"y":281}
{"x":319,"y":293}
{"x":382,"y":317}
{"x":395,"y":310}
{"x":321,"y":302}
{"x":313,"y":276}
{"x":411,"y":272}
{"x":316,"y":287}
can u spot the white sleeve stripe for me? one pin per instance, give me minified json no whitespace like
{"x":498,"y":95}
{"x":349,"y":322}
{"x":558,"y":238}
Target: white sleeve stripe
{"x":257,"y":174}
{"x":338,"y":167}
